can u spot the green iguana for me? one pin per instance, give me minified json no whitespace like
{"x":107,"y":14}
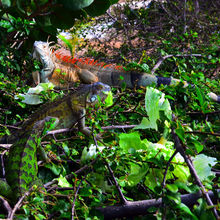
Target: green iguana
{"x":62,"y":70}
{"x":21,"y":165}
{"x":69,"y":109}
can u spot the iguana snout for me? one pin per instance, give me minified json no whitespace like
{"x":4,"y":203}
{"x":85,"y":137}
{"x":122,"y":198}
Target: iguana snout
{"x":100,"y":90}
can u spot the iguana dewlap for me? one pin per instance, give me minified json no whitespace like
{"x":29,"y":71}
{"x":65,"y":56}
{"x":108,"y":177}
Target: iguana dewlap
{"x":21,"y":166}
{"x":70,"y":110}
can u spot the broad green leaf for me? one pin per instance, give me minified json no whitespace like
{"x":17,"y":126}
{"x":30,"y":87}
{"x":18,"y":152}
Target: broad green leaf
{"x":184,"y":186}
{"x":137,"y":173}
{"x":145,"y":123}
{"x":198,"y":146}
{"x":109,"y":100}
{"x":175,"y":198}
{"x":98,"y":7}
{"x":172,"y":187}
{"x":32,"y":97}
{"x":201,"y":99}
{"x":62,"y":181}
{"x":76,"y":4}
{"x":203,"y":165}
{"x":154,"y":103}
{"x":99,"y":180}
{"x":88,"y":154}
{"x":6,"y":3}
{"x":154,"y":178}
{"x":165,"y":106}
{"x":66,"y":149}
{"x":185,"y":208}
{"x":54,"y":168}
{"x":152,"y":98}
{"x":180,"y":131}
{"x":129,"y":143}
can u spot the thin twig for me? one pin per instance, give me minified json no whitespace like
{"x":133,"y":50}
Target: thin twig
{"x":167,"y":166}
{"x":184,"y":17}
{"x":64,"y":130}
{"x":124,"y":201}
{"x":202,"y":132}
{"x":73,"y":205}
{"x":201,"y":113}
{"x":171,"y":55}
{"x":70,"y":176}
{"x":11,"y":126}
{"x":19,"y":204}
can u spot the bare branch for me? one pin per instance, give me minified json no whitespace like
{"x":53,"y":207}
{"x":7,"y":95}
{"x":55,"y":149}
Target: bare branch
{"x":171,"y":55}
{"x":6,"y":205}
{"x":140,"y":207}
{"x":202,"y":132}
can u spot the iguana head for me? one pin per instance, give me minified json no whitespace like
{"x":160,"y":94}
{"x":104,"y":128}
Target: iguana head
{"x":43,"y":53}
{"x":100,"y":90}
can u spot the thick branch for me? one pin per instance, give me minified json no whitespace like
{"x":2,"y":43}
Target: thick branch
{"x":140,"y":207}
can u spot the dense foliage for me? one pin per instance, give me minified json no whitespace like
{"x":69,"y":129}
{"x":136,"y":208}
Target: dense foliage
{"x":130,"y":164}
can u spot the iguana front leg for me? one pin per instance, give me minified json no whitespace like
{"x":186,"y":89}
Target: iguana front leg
{"x":46,"y":73}
{"x":36,"y":77}
{"x":81,"y":123}
{"x":82,"y":128}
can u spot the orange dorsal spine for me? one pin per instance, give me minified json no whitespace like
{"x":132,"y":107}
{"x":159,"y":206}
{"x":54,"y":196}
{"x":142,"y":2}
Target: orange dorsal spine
{"x":64,"y":56}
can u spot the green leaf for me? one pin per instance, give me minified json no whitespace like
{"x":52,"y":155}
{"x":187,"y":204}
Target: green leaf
{"x":67,"y":42}
{"x":175,"y":198}
{"x":172,"y":187}
{"x":201,"y":99}
{"x":66,"y":149}
{"x":203,"y":165}
{"x":152,"y":99}
{"x":109,"y":100}
{"x":88,"y":154}
{"x":137,"y":173}
{"x":154,"y":103}
{"x":75,"y":4}
{"x":129,"y":143}
{"x":54,"y":168}
{"x":98,"y":7}
{"x":198,"y":146}
{"x":62,"y":181}
{"x":153,"y":179}
{"x":6,"y":3}
{"x":145,"y":123}
{"x":99,"y":180}
{"x":184,"y":208}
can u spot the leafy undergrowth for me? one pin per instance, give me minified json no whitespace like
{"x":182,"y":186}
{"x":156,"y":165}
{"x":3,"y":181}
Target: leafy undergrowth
{"x":147,"y":161}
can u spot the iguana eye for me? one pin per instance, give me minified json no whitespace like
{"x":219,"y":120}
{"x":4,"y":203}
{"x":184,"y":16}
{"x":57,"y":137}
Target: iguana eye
{"x":93,"y":99}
